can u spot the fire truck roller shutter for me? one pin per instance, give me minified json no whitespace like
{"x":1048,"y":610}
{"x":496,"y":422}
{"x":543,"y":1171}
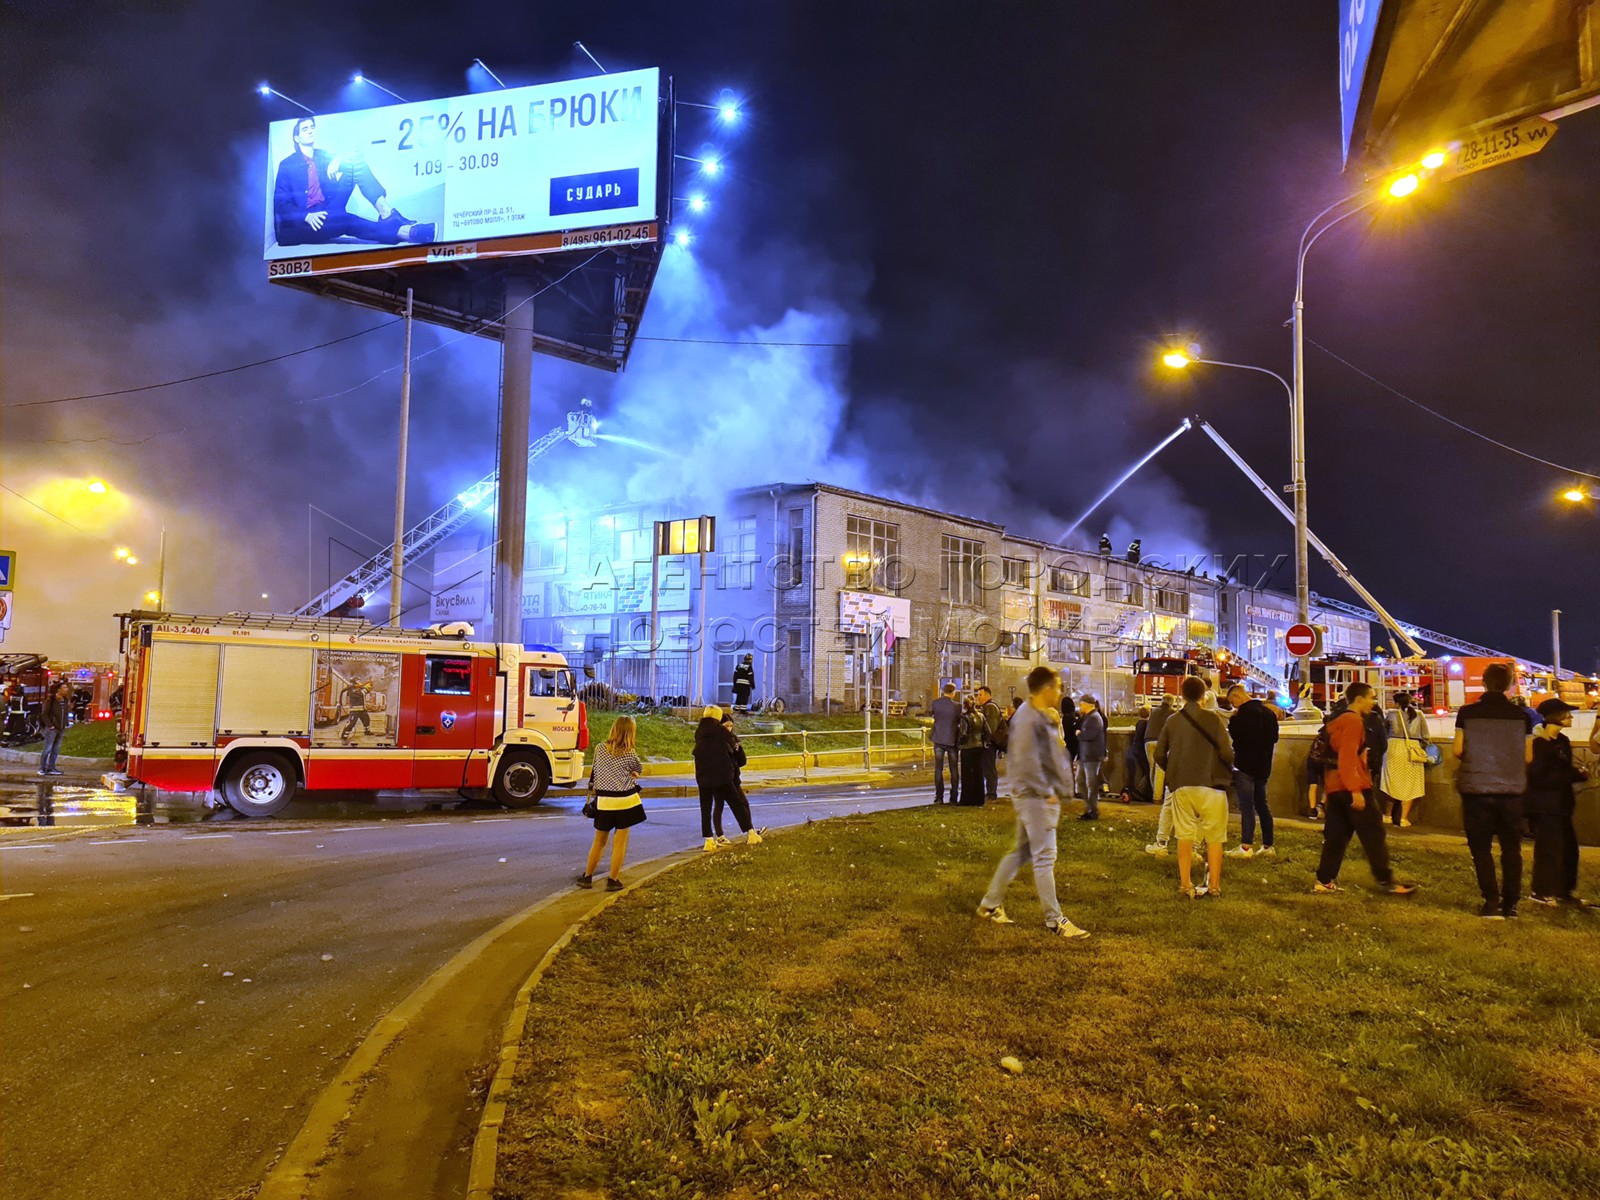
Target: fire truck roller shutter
{"x":259,"y":783}
{"x":183,"y":694}
{"x":266,"y":690}
{"x":522,"y":778}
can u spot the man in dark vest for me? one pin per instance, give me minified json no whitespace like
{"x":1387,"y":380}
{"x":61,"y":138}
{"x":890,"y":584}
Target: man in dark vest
{"x":1491,"y":748}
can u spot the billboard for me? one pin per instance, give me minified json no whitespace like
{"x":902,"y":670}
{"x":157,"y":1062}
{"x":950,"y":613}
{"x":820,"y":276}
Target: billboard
{"x":548,"y":167}
{"x":1358,"y":28}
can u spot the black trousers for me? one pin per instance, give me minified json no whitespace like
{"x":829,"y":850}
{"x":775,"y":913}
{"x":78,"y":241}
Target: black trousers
{"x":972,"y":786}
{"x":991,"y":772}
{"x":1343,"y":822}
{"x":713,"y":797}
{"x":1555,"y":854}
{"x":1487,"y":820}
{"x":946,"y":756}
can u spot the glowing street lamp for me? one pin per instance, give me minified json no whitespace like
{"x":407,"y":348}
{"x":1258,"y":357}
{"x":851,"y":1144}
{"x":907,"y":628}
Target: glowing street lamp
{"x":1577,"y":494}
{"x":1176,"y":359}
{"x":131,"y":560}
{"x":1402,"y":186}
{"x":123,"y":552}
{"x":1434,"y":159}
{"x":98,"y":487}
{"x":152,"y":597}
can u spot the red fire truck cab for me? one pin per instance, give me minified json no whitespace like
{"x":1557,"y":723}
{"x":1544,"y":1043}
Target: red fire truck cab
{"x":257,"y":706}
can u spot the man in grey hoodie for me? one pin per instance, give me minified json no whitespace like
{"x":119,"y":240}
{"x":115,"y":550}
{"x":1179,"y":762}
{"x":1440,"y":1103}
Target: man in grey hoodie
{"x":1036,"y":766}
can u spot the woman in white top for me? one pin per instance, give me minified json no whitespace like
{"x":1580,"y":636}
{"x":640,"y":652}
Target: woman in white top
{"x":614,"y":790}
{"x":1403,"y":780}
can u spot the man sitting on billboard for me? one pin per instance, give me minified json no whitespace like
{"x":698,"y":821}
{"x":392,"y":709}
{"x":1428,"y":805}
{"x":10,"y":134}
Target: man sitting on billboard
{"x":313,"y":190}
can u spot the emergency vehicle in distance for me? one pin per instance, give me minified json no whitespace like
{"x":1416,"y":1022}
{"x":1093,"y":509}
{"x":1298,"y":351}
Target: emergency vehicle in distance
{"x":257,"y":706}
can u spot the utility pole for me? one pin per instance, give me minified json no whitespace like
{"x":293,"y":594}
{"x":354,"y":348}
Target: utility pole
{"x":1555,"y":640}
{"x":396,"y":561}
{"x":161,"y":573}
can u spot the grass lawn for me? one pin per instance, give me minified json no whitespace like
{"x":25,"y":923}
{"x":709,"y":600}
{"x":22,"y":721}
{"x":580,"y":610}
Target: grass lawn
{"x":824,"y":1016}
{"x":673,"y":738}
{"x":86,"y":739}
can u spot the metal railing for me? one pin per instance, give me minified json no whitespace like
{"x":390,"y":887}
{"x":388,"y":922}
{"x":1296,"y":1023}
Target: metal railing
{"x":810,"y":744}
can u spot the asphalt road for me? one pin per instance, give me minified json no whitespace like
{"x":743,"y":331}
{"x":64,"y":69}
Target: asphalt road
{"x":133,"y":1064}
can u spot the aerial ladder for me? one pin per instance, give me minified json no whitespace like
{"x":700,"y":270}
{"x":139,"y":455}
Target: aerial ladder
{"x":578,"y":428}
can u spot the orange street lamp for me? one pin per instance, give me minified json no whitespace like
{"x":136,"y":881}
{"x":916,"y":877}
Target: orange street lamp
{"x":98,"y":487}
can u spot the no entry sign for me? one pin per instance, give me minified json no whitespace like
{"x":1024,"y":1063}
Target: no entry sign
{"x":1302,"y":640}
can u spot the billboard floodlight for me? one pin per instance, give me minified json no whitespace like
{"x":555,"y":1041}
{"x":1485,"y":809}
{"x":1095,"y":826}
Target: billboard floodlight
{"x":590,"y":57}
{"x":697,"y":204}
{"x":682,"y":237}
{"x":482,"y":66}
{"x":266,"y":89}
{"x":358,"y":77}
{"x":729,"y":113}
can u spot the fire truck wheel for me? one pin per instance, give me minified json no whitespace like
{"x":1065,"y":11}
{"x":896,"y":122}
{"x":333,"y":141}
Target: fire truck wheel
{"x":259,"y":785}
{"x":522,"y":780}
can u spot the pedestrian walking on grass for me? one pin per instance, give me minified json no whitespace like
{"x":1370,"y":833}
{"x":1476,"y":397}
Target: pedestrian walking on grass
{"x":1351,"y":803}
{"x":1403,"y":758}
{"x":53,"y":718}
{"x":974,"y":735}
{"x":1197,"y":755}
{"x":995,"y":733}
{"x":1091,"y":754}
{"x":1549,"y":805}
{"x":715,"y":775}
{"x":1491,"y":746}
{"x":1253,"y":728}
{"x":1036,"y":766}
{"x":614,"y":796}
{"x":946,"y":712}
{"x":1158,"y":777}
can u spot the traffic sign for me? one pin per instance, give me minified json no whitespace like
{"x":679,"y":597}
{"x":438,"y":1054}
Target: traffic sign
{"x":8,"y":569}
{"x":1302,"y":641}
{"x":1495,"y":146}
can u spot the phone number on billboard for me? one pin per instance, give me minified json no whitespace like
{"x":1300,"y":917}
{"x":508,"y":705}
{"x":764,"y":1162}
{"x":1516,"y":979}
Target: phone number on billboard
{"x":608,"y":236}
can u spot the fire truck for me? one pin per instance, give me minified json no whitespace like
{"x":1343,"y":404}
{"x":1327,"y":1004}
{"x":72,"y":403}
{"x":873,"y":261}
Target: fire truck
{"x":1331,"y":675}
{"x":1160,"y":675}
{"x":259,"y":706}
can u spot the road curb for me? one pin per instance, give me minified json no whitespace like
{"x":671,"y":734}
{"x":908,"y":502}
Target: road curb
{"x":486,"y":1145}
{"x":294,"y":1173}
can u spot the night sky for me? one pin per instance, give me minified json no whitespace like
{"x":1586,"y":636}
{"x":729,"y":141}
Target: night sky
{"x":1006,"y":210}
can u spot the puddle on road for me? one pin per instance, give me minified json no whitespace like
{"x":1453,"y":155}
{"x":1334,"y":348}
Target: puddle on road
{"x":46,"y":803}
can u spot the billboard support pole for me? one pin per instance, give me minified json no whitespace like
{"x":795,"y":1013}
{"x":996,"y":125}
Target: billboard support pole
{"x":397,"y":561}
{"x":516,"y":384}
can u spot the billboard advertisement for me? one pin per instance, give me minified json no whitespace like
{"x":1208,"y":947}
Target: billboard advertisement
{"x":541,"y":164}
{"x":1358,"y":28}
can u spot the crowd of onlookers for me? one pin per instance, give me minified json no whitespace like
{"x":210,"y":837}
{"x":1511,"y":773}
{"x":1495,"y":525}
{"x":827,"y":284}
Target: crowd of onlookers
{"x":1516,"y":768}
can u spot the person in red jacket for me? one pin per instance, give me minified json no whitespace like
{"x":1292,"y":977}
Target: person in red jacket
{"x":1352,"y":802}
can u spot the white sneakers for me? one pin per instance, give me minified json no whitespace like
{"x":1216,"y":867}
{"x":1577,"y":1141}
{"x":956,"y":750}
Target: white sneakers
{"x":997,"y":915}
{"x":1240,"y":852}
{"x":1157,"y":848}
{"x":753,"y":838}
{"x":711,"y":845}
{"x":1066,"y":929}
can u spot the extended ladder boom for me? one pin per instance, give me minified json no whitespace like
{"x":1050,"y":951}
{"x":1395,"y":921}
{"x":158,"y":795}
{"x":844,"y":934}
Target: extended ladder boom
{"x":442,"y":522}
{"x":1378,"y":613}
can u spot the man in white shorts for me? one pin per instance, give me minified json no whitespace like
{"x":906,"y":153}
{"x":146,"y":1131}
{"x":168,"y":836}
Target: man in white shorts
{"x":1195,"y":752}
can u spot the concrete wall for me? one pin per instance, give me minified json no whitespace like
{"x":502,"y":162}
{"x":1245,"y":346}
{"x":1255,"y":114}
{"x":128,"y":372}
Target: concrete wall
{"x":1439,"y":808}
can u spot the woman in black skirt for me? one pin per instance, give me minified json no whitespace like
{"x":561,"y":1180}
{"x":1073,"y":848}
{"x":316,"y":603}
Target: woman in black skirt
{"x":614,"y":786}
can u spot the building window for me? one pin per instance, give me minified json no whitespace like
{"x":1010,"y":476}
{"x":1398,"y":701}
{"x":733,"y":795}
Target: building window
{"x":1125,"y":591}
{"x":797,"y":547}
{"x":958,"y":576}
{"x":797,"y":661}
{"x":1069,"y":582}
{"x":871,"y":555}
{"x":1170,"y":600}
{"x":1255,"y":642}
{"x":1017,"y":571}
{"x":1062,"y":648}
{"x":1015,"y":645}
{"x":736,"y":540}
{"x":547,"y":555}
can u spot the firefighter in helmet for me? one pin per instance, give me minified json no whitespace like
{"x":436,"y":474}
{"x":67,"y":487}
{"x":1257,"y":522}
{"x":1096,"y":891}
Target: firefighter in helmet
{"x":354,"y":699}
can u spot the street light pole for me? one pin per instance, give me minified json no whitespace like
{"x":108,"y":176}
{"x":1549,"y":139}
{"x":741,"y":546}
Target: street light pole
{"x":161,"y":573}
{"x":1304,"y":709}
{"x":397,"y":559}
{"x":1555,"y":641}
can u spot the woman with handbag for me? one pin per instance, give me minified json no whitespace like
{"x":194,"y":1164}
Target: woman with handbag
{"x":614,"y":802}
{"x":1405,"y":757}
